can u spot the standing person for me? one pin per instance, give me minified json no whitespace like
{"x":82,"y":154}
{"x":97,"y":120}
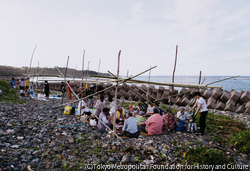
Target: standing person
{"x":27,"y":83}
{"x":21,"y":83}
{"x":90,"y":98}
{"x":62,"y":88}
{"x":82,"y":91}
{"x":99,"y":106}
{"x":100,"y":88}
{"x":12,"y":83}
{"x":46,"y":89}
{"x":69,"y":90}
{"x":202,"y":107}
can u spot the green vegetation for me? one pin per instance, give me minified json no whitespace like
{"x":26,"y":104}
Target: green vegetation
{"x":222,"y":129}
{"x":13,"y":71}
{"x":9,"y":95}
{"x":241,"y":141}
{"x":205,"y":155}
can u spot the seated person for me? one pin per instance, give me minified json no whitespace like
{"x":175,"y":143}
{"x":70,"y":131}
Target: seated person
{"x":130,"y":126}
{"x":22,"y":93}
{"x":111,"y":105}
{"x":99,"y":106}
{"x":83,"y":109}
{"x":103,"y":117}
{"x":153,"y":124}
{"x":120,"y":112}
{"x":142,"y":107}
{"x":182,"y":115}
{"x":161,"y":112}
{"x":169,"y":122}
{"x":31,"y":91}
{"x":150,"y":109}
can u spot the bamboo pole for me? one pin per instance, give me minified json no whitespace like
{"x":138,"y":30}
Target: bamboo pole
{"x":98,"y":72}
{"x":222,"y":80}
{"x":170,"y":102}
{"x":66,"y":67}
{"x":120,"y":80}
{"x":163,"y":84}
{"x":93,"y":113}
{"x":85,"y":90}
{"x":37,"y":80}
{"x":116,"y":89}
{"x":203,"y":80}
{"x":141,"y":95}
{"x":65,"y":79}
{"x":199,"y":78}
{"x":83,"y":64}
{"x":84,"y":97}
{"x":148,"y":83}
{"x":67,"y":83}
{"x":87,"y":75}
{"x":32,"y":59}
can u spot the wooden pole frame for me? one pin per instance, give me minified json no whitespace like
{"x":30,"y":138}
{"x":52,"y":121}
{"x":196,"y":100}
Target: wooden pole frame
{"x":143,"y":97}
{"x":65,"y":77}
{"x":159,"y":83}
{"x":175,"y":61}
{"x":32,"y":59}
{"x":116,"y":89}
{"x":93,"y":113}
{"x":148,"y":83}
{"x":120,"y":80}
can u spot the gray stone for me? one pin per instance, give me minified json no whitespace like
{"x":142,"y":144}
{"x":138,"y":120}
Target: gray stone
{"x":111,"y":159}
{"x":125,"y":159}
{"x":15,"y":146}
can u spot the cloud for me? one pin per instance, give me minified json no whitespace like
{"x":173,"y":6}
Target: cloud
{"x":208,"y":34}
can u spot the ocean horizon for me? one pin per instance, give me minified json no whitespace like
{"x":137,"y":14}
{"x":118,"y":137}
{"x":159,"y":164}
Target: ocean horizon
{"x":241,"y":83}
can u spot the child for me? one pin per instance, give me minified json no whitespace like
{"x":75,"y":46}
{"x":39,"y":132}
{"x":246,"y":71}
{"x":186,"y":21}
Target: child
{"x":31,"y":91}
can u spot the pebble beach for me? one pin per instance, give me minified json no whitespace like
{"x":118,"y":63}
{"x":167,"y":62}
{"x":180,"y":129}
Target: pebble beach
{"x":30,"y":140}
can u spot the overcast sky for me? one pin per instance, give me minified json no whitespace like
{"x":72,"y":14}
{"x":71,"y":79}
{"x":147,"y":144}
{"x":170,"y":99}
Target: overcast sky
{"x":212,"y":36}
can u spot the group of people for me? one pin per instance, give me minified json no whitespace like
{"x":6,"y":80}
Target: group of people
{"x":26,"y":88}
{"x":157,"y":122}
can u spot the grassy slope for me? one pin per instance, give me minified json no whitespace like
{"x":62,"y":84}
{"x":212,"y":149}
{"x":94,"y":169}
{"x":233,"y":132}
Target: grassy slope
{"x":9,"y":95}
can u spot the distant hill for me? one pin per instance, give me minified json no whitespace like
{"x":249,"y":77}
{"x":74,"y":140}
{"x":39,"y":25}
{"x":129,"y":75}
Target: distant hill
{"x":14,"y":71}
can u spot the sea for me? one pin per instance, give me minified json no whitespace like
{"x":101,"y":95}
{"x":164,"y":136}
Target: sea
{"x":239,"y":83}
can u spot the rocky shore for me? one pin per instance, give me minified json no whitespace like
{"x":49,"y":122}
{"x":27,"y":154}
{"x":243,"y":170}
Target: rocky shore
{"x":30,"y":140}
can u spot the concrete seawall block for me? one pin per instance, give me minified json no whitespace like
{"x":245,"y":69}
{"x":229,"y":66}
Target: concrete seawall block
{"x":225,"y":96}
{"x":220,"y":106}
{"x":230,"y":107}
{"x":235,"y":96}
{"x":240,"y":109}
{"x":245,"y":97}
{"x":211,"y":104}
{"x":207,"y":94}
{"x":217,"y":93}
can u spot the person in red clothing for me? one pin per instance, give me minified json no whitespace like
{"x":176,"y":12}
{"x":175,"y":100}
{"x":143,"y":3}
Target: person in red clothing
{"x":153,"y":124}
{"x":69,"y":90}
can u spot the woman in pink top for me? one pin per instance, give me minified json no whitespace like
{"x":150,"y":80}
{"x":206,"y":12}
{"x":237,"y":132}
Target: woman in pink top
{"x":153,"y":124}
